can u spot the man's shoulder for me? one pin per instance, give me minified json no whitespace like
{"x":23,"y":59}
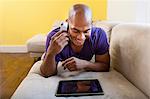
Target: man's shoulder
{"x":97,"y":31}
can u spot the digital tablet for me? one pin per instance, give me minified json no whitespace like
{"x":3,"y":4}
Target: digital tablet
{"x":67,"y":88}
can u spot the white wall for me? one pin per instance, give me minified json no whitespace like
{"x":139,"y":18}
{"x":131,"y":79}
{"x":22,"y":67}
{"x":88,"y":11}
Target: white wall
{"x":129,"y":10}
{"x":148,"y":11}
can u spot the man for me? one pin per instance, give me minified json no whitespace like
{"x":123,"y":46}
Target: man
{"x":76,"y":47}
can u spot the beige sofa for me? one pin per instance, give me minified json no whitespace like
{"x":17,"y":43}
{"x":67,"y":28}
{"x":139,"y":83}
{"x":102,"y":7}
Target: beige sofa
{"x":129,"y":77}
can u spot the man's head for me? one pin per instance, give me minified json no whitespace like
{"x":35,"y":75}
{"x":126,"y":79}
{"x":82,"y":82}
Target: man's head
{"x":80,"y":19}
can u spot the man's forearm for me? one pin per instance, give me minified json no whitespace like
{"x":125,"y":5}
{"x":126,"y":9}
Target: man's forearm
{"x":97,"y":66}
{"x":48,"y":67}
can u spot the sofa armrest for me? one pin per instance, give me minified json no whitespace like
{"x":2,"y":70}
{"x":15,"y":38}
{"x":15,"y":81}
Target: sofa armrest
{"x":130,"y":53}
{"x":36,"y":43}
{"x":36,"y":68}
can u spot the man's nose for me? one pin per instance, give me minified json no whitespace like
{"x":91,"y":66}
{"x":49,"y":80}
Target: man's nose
{"x":81,"y":36}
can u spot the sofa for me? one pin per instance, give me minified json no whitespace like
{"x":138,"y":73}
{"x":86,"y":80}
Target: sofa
{"x":129,"y":75}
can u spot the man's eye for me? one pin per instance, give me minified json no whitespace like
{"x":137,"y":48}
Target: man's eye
{"x":75,"y":31}
{"x":87,"y":31}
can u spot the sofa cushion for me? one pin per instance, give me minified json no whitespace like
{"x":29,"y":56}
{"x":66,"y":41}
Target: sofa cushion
{"x":130,"y":53}
{"x":115,"y":86}
{"x":106,"y":26}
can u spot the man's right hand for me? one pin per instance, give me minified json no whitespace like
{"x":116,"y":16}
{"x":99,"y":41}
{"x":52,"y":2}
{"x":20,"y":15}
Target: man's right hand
{"x":58,"y":42}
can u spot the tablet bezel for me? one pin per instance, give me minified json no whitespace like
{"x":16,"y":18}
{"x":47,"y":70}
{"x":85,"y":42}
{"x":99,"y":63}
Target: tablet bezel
{"x":100,"y":90}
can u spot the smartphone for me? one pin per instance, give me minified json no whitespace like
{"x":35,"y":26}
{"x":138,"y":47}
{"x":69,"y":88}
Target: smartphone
{"x":64,"y":27}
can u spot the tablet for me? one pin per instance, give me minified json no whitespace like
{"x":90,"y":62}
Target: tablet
{"x":67,"y":88}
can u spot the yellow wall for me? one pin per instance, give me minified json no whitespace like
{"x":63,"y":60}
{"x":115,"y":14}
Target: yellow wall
{"x":21,"y":19}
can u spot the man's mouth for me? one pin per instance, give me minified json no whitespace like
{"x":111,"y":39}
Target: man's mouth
{"x":79,"y":41}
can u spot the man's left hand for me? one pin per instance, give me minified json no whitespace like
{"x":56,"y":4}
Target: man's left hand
{"x":74,"y":64}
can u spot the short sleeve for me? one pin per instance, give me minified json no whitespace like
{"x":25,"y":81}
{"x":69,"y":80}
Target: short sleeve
{"x":58,"y":56}
{"x":102,"y":45}
{"x":49,"y":36}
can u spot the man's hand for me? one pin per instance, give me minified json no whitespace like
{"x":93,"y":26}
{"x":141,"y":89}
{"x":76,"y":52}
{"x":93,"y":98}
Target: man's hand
{"x":74,"y":64}
{"x":58,"y":42}
{"x":101,"y":63}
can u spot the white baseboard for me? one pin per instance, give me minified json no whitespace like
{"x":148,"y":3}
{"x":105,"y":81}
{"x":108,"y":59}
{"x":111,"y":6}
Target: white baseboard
{"x":13,"y":49}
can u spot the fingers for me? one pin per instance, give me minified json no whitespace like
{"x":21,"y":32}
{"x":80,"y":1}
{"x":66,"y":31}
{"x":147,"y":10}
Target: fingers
{"x":58,"y":42}
{"x":62,"y":35}
{"x":71,"y":67}
{"x":61,"y":40}
{"x":67,"y":60}
{"x":56,"y":34}
{"x":64,"y":43}
{"x":70,"y":64}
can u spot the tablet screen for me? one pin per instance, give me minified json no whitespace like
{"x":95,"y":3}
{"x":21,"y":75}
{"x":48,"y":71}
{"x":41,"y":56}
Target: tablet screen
{"x":79,"y":87}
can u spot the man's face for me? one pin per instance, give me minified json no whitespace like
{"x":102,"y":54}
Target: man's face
{"x":79,"y":30}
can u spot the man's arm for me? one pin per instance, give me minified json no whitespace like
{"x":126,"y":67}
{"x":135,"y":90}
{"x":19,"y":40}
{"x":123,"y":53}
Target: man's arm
{"x":57,"y":43}
{"x":48,"y":66}
{"x":101,"y":63}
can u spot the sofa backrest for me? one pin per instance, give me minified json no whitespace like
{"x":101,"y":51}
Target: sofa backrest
{"x":106,"y":26}
{"x":130,"y":53}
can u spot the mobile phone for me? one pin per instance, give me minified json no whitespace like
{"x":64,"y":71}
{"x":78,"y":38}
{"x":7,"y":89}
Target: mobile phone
{"x":64,"y":27}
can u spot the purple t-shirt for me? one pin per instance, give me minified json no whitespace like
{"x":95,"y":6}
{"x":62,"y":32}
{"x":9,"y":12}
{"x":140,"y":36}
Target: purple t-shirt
{"x":97,"y":44}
